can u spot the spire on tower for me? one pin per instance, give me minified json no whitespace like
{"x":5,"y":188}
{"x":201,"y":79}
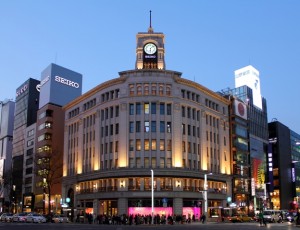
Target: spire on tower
{"x":150,"y":30}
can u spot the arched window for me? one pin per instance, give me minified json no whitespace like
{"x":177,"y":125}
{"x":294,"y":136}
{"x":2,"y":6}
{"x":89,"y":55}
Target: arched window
{"x":161,"y":90}
{"x":168,"y":91}
{"x":139,"y":90}
{"x":146,"y":90}
{"x":131,"y":90}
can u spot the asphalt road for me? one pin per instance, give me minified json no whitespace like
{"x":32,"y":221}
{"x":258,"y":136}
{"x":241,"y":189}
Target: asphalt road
{"x":192,"y":226}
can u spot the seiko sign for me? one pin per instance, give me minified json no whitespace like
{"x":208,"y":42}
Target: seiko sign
{"x":66,"y":82}
{"x":21,"y":90}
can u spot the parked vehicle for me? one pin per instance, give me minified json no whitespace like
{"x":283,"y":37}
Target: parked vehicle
{"x":3,"y":216}
{"x":8,"y":217}
{"x":35,"y":218}
{"x":60,"y":219}
{"x":19,"y":217}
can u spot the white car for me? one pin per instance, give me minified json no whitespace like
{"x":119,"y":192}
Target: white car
{"x":35,"y":218}
{"x":19,"y":217}
{"x":60,"y":219}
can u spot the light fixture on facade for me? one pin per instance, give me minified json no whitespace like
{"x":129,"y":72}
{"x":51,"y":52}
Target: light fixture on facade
{"x":178,"y":183}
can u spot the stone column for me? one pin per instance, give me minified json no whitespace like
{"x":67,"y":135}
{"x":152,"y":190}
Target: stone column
{"x":96,"y":208}
{"x":177,"y":206}
{"x":122,"y":206}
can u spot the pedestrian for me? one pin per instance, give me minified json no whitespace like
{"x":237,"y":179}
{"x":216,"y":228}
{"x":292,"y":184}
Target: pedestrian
{"x":203,"y":217}
{"x":261,"y":218}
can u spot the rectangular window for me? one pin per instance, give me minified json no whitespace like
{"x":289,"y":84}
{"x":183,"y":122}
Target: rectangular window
{"x":146,"y":162}
{"x":153,"y":144}
{"x":183,"y":111}
{"x":162,"y":162}
{"x":30,"y":143}
{"x":169,"y":109}
{"x":131,"y":127}
{"x":169,"y":127}
{"x":147,"y":126}
{"x":153,"y":126}
{"x":169,"y":145}
{"x":131,"y":145}
{"x":153,"y":162}
{"x":111,"y":130}
{"x":162,"y":109}
{"x":111,"y":112}
{"x":138,"y":126}
{"x":146,"y":108}
{"x":189,"y":147}
{"x":146,"y":145}
{"x":162,"y":145}
{"x":117,"y":111}
{"x":131,"y":109}
{"x":138,"y":108}
{"x":31,"y":132}
{"x":162,"y":126}
{"x":153,"y":108}
{"x":116,"y":146}
{"x":169,"y":162}
{"x":138,"y":146}
{"x":117,"y":128}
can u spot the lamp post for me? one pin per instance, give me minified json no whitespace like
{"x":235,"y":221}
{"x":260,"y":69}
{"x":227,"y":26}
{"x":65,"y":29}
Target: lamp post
{"x":205,"y":193}
{"x":152,"y":196}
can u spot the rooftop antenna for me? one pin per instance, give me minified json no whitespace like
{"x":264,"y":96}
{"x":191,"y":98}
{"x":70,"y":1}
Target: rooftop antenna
{"x":150,"y":30}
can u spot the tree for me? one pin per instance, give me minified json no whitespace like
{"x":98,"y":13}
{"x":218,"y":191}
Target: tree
{"x":48,"y":168}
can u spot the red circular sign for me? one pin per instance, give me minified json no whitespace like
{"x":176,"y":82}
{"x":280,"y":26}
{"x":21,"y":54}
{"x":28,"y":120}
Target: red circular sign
{"x":241,"y":109}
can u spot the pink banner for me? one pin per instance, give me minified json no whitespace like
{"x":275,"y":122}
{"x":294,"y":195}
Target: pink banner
{"x":144,"y":211}
{"x":148,"y":211}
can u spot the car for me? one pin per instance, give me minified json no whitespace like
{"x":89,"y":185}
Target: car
{"x":271,"y":216}
{"x":245,"y":218}
{"x":289,"y":217}
{"x":35,"y":218}
{"x":233,"y":219}
{"x":60,"y":219}
{"x":240,"y":218}
{"x":4,"y":215}
{"x":19,"y":217}
{"x":9,"y":217}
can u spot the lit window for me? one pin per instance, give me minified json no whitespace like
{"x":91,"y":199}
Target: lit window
{"x":146,"y":108}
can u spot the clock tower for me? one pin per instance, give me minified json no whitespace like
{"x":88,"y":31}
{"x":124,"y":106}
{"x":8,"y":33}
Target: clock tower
{"x":150,"y":50}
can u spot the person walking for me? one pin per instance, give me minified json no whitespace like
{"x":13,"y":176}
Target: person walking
{"x":261,"y":219}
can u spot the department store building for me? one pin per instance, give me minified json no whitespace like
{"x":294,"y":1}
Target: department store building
{"x":149,"y":119}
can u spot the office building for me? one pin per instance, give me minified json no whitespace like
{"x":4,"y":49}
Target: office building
{"x":58,"y":86}
{"x":283,"y":156}
{"x":27,"y":103}
{"x":7,"y":110}
{"x":249,"y":140}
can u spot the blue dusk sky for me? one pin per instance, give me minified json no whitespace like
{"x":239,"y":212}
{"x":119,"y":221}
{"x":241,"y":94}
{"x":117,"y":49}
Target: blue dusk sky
{"x":206,"y":40}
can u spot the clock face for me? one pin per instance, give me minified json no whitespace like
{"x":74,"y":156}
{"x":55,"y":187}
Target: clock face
{"x":150,"y":48}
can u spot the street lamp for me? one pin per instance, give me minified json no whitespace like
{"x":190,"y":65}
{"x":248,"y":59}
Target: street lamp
{"x":152,"y":196}
{"x":205,"y":193}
